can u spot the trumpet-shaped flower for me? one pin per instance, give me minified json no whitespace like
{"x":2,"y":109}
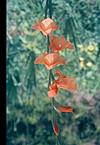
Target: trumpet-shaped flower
{"x":63,"y":82}
{"x":46,"y":26}
{"x":57,"y":44}
{"x":50,"y":60}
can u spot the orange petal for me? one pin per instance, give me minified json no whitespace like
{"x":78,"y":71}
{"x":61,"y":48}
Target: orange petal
{"x":54,"y":43}
{"x":69,"y":45}
{"x":50,"y":60}
{"x":63,"y":42}
{"x":53,"y":26}
{"x":40,"y":59}
{"x":53,"y":59}
{"x":53,"y":90}
{"x":57,"y":44}
{"x":67,"y":83}
{"x":65,"y":109}
{"x":52,"y":93}
{"x":56,"y":128}
{"x":48,"y":31}
{"x":47,"y":22}
{"x":59,"y":74}
{"x":46,"y":26}
{"x":61,"y":60}
{"x":37,"y":26}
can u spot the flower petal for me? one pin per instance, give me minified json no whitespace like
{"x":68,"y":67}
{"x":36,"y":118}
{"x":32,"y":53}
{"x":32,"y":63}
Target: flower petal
{"x":59,"y":74}
{"x":40,"y":59}
{"x":53,"y":26}
{"x":65,"y":109}
{"x":37,"y":26}
{"x":52,"y":93}
{"x":53,"y":59}
{"x":54,"y":43}
{"x":47,"y":22}
{"x":69,"y":45}
{"x":46,"y":26}
{"x":57,"y":44}
{"x":67,"y":83}
{"x":53,"y":90}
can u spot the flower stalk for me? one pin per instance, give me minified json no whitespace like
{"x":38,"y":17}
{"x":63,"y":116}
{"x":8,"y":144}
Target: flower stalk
{"x":51,"y":76}
{"x":51,"y":59}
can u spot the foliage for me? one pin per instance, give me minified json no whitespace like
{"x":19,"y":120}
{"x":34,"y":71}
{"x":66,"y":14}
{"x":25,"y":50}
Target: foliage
{"x":28,"y":109}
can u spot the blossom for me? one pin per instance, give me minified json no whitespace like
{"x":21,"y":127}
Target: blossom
{"x":62,"y":82}
{"x":57,"y":44}
{"x":56,"y":128}
{"x":53,"y":90}
{"x":65,"y":82}
{"x":50,"y":60}
{"x":46,"y":26}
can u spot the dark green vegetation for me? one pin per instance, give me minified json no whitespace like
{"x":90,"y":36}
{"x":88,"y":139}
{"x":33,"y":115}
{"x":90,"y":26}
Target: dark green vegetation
{"x":28,"y":106}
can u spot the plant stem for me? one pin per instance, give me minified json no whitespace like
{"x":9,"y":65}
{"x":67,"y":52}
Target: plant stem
{"x":50,"y":8}
{"x":51,"y":76}
{"x":46,"y":9}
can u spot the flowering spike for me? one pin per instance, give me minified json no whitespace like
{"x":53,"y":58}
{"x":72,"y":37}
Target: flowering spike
{"x":51,"y":59}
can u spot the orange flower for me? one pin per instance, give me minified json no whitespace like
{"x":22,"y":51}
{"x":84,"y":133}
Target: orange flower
{"x":46,"y":26}
{"x":57,"y":44}
{"x":65,"y":82}
{"x":56,"y":128}
{"x":62,"y":82}
{"x":53,"y":90}
{"x":50,"y":60}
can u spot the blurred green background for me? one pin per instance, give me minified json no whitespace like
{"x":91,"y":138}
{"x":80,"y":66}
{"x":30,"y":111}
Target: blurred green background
{"x":28,"y":106}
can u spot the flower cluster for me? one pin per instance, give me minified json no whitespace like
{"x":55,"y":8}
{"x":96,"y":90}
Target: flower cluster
{"x":53,"y":58}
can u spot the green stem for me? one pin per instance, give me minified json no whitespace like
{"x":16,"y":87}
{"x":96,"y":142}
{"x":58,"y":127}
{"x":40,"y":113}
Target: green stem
{"x":46,"y":8}
{"x":48,"y":42}
{"x":98,"y":53}
{"x":51,"y":76}
{"x":49,"y":82}
{"x":50,"y":8}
